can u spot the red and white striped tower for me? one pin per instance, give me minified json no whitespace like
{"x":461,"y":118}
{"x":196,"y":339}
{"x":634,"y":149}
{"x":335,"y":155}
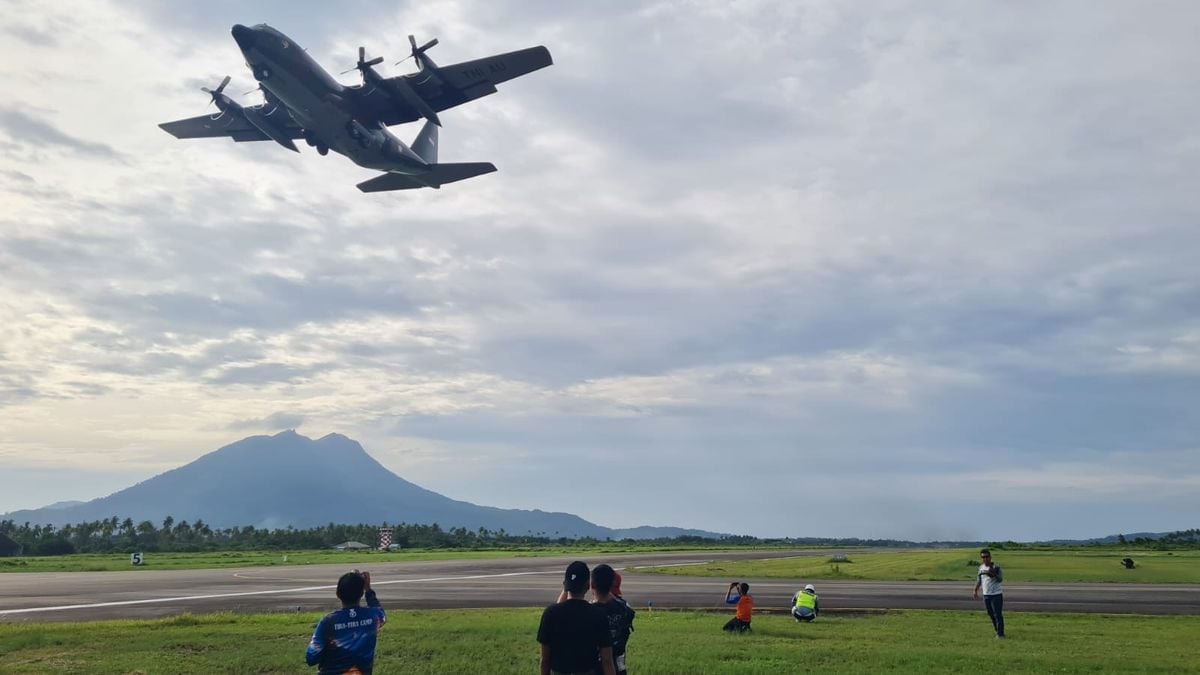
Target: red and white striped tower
{"x":385,"y":537}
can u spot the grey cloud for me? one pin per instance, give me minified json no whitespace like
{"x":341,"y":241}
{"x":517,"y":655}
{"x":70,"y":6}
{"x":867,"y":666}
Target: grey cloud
{"x":954,"y":188}
{"x":261,"y":302}
{"x":273,"y":422}
{"x":261,"y":373}
{"x":16,"y":176}
{"x":32,"y":36}
{"x":36,"y":131}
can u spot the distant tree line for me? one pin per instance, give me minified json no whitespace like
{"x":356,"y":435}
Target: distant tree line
{"x":115,"y":535}
{"x":1177,"y":540}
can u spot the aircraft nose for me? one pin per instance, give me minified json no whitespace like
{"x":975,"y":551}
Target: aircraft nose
{"x":245,"y":37}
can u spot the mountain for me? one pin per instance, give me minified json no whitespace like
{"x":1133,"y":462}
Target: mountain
{"x":63,"y":505}
{"x":650,"y":532}
{"x":1110,"y":539}
{"x":289,"y":479}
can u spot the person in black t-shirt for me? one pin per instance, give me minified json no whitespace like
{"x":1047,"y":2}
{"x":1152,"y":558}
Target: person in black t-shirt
{"x":617,"y":613}
{"x":574,"y":634}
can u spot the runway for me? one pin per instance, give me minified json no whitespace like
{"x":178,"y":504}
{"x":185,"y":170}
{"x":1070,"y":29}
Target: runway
{"x":527,"y":582}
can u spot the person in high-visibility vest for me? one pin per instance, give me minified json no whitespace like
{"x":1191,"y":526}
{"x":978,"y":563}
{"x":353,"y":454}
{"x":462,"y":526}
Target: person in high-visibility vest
{"x":805,"y":604}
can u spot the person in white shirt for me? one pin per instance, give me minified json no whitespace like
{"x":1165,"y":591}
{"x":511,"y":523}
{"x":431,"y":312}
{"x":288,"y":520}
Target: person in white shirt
{"x":989,"y":579}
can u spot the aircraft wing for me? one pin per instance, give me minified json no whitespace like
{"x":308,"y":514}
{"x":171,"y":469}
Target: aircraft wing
{"x":484,"y":74}
{"x":232,"y":126}
{"x":438,"y":175}
{"x":464,"y":82}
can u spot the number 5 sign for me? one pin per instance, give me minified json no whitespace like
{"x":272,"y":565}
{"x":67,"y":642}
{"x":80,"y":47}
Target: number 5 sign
{"x":135,"y":558}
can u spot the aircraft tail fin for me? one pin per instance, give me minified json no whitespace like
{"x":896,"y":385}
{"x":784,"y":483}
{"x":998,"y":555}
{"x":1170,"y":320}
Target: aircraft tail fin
{"x":437,"y":176}
{"x":426,"y":142}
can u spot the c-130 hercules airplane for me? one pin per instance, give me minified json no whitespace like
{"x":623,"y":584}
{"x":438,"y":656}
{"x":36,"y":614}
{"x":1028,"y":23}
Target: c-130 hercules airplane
{"x":301,"y":100}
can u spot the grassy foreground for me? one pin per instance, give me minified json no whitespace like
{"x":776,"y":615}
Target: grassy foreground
{"x":1157,"y":567}
{"x":503,"y":641}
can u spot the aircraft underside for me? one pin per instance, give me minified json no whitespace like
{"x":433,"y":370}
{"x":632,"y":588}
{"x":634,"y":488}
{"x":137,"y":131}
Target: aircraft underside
{"x":303,"y":102}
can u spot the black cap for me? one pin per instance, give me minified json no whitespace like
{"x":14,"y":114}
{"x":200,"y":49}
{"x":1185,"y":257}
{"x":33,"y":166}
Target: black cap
{"x":577,"y":577}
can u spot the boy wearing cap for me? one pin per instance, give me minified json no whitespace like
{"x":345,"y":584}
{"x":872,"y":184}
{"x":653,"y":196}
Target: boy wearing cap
{"x":805,"y":604}
{"x":573,"y":633}
{"x":344,"y":641}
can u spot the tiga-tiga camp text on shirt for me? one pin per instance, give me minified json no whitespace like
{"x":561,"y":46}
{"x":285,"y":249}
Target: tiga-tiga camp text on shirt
{"x":344,"y":641}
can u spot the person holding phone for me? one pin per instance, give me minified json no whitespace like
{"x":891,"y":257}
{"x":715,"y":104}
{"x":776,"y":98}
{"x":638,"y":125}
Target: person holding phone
{"x":344,"y":641}
{"x":989,"y":579}
{"x":573,"y":633}
{"x":739,"y":594}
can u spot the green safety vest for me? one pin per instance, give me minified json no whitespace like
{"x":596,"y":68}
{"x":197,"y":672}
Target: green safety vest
{"x":805,"y":600}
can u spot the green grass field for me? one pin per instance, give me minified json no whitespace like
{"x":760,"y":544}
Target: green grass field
{"x":1060,"y":565}
{"x":502,"y":641}
{"x":1160,"y":567}
{"x":192,"y":561}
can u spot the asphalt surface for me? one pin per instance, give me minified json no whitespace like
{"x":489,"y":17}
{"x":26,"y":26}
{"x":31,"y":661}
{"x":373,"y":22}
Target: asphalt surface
{"x":527,"y":582}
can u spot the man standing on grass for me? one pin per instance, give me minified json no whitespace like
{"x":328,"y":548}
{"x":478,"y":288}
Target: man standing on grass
{"x":573,"y":633}
{"x":989,"y":579}
{"x":344,"y":641}
{"x":617,"y":612}
{"x":739,"y":594}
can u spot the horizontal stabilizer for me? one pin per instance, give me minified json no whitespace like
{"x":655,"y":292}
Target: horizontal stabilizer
{"x":438,"y":175}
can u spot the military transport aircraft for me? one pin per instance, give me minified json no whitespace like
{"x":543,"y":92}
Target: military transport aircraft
{"x":301,"y":100}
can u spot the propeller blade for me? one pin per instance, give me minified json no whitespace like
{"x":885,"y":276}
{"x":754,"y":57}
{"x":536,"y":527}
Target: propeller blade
{"x":418,"y":52}
{"x":214,"y":93}
{"x":374,"y":62}
{"x":362,"y":54}
{"x":412,"y":40}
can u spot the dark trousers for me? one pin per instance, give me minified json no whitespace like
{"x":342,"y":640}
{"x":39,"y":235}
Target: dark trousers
{"x":736,"y":625}
{"x":995,"y":610}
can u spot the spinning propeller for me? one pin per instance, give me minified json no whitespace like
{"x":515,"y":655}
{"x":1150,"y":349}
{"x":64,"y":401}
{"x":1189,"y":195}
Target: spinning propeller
{"x":418,"y":53}
{"x":363,"y":63}
{"x":216,"y":92}
{"x":398,"y":87}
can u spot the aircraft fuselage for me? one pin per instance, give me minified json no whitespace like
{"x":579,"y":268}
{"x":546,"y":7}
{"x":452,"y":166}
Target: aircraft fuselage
{"x":319,"y":104}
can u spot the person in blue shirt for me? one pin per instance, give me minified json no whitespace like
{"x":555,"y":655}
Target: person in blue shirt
{"x":344,"y":641}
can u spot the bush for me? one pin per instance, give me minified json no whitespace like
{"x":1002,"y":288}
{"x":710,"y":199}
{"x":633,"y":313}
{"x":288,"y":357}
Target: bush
{"x":54,"y":547}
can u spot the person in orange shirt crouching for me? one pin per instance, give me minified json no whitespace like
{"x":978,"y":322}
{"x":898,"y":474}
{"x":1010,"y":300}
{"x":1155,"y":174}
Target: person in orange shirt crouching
{"x":739,"y":594}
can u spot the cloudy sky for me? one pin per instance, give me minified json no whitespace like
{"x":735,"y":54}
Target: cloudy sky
{"x":783,"y":268}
